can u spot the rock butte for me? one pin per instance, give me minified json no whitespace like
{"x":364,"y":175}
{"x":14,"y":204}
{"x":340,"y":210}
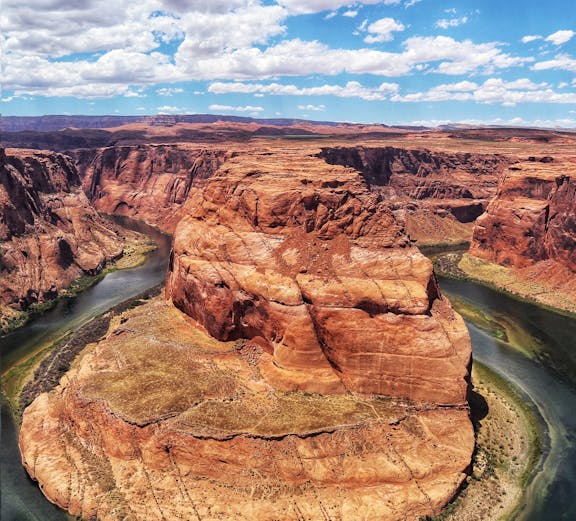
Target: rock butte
{"x":308,"y":369}
{"x":50,"y":232}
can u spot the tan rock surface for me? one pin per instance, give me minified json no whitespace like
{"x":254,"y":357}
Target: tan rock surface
{"x":160,"y":421}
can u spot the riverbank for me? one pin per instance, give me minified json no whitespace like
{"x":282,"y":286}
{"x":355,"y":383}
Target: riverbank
{"x":134,"y":254}
{"x":14,"y":380}
{"x":460,"y":265}
{"x":508,"y":438}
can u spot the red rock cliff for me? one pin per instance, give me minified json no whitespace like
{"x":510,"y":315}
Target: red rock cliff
{"x":148,"y":182}
{"x":305,"y":260}
{"x":50,"y":233}
{"x":532,"y":218}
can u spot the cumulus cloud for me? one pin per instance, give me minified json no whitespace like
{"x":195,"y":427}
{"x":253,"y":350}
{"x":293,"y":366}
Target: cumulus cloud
{"x":530,"y":38}
{"x":312,"y":107}
{"x":492,"y":91}
{"x":381,"y":30}
{"x":230,"y":108}
{"x":560,"y":37}
{"x":561,"y":61}
{"x":169,"y":91}
{"x":350,"y":13}
{"x":316,"y":6}
{"x":352,"y":89}
{"x":170,"y":109}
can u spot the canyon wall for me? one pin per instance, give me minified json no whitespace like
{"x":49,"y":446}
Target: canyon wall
{"x":530,"y":229}
{"x":148,"y":182}
{"x":532,"y":218}
{"x":438,"y":194}
{"x":49,"y":231}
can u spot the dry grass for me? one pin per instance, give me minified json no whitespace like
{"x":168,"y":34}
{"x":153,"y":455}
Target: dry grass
{"x":160,"y":365}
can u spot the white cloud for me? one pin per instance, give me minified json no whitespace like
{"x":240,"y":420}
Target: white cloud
{"x":560,"y":37}
{"x":317,"y":6}
{"x":492,"y":91}
{"x":352,"y":89}
{"x":230,"y":108}
{"x":312,"y":107}
{"x":169,"y":91}
{"x":561,"y":61}
{"x":511,"y":122}
{"x":169,"y":109}
{"x":530,"y":38}
{"x":381,"y":30}
{"x":350,"y":14}
{"x":452,"y":22}
{"x":410,"y":3}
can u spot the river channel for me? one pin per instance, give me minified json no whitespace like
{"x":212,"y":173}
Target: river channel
{"x":545,"y":376}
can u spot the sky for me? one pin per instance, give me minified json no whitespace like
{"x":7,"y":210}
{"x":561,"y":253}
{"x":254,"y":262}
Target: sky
{"x":397,"y":62}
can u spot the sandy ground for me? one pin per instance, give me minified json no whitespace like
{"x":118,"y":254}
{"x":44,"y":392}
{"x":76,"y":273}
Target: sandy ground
{"x":507,"y":444}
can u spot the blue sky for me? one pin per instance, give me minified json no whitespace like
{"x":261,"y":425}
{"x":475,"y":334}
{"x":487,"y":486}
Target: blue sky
{"x":429,"y":62}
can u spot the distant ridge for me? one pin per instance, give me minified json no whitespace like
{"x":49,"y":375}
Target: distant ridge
{"x":60,"y":122}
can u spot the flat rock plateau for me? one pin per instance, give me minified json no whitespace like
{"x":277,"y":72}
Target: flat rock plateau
{"x":302,"y":363}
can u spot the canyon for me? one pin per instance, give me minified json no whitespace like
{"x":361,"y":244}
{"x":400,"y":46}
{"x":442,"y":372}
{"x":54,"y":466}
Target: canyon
{"x":303,"y":362}
{"x":50,"y":233}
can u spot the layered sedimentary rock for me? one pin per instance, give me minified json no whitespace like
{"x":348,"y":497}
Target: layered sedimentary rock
{"x":306,"y":259}
{"x":439,"y":194}
{"x":50,"y":233}
{"x":161,"y":421}
{"x":532,"y":218}
{"x":148,"y":182}
{"x":312,"y":370}
{"x":530,"y":227}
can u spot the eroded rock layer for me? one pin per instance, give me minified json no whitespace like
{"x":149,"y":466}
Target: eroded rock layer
{"x":530,"y":227}
{"x":161,"y":421}
{"x":50,"y":233}
{"x":301,"y":256}
{"x":439,"y":194}
{"x":148,"y":182}
{"x":532,"y":218}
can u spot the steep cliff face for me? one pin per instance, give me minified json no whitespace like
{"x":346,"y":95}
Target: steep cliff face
{"x":439,"y":194}
{"x":148,"y":182}
{"x":526,"y":240}
{"x":50,"y":233}
{"x":532,"y":218}
{"x":422,"y":174}
{"x":304,"y":258}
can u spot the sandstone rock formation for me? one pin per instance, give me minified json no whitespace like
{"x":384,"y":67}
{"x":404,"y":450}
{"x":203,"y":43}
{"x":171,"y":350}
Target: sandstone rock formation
{"x":160,"y":421}
{"x":49,"y":231}
{"x":145,"y":182}
{"x":439,"y":194}
{"x":301,"y":256}
{"x":312,"y":370}
{"x":530,"y":227}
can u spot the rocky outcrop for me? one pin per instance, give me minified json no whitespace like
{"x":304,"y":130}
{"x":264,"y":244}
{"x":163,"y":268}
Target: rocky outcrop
{"x":50,"y":233}
{"x":305,"y":260}
{"x":310,"y":369}
{"x":532,"y":218}
{"x":161,"y":421}
{"x":148,"y":182}
{"x":440,"y":194}
{"x":530,"y":228}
